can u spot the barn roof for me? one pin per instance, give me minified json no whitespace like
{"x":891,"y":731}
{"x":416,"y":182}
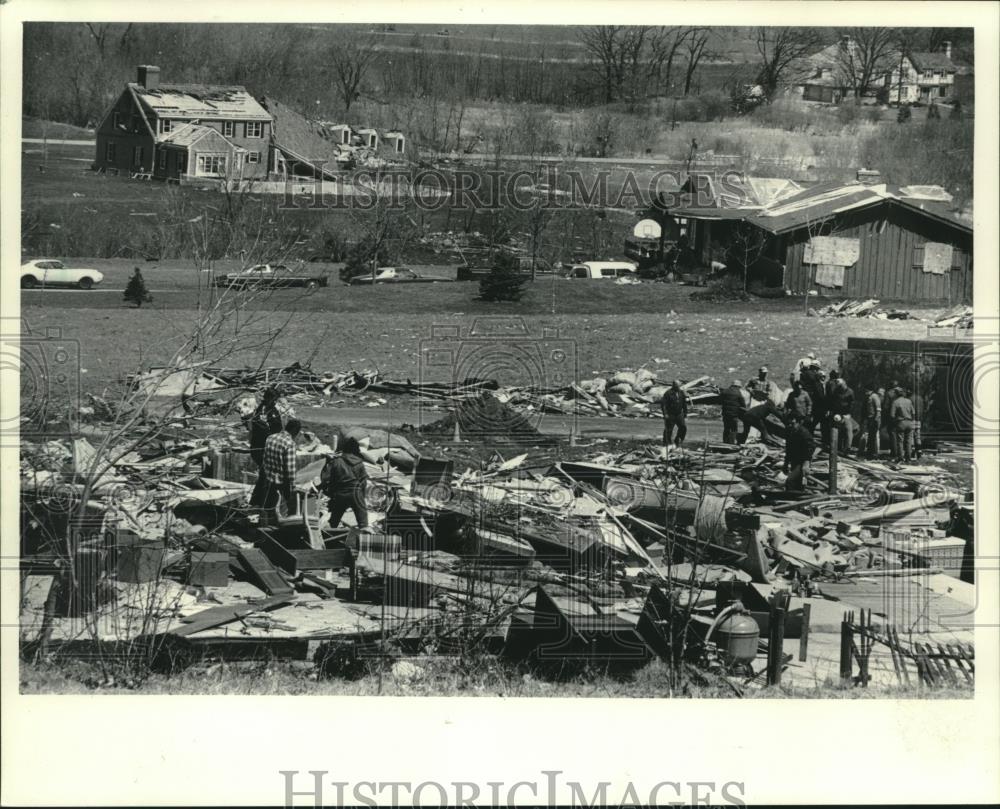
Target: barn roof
{"x":200,"y":101}
{"x":817,"y":203}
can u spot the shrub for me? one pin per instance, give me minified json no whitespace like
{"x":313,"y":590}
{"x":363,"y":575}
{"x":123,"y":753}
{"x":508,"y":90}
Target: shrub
{"x":505,"y":281}
{"x":904,"y":114}
{"x":135,"y":290}
{"x":359,"y":260}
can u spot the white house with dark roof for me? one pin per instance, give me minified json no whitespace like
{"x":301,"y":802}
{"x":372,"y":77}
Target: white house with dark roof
{"x":923,"y":77}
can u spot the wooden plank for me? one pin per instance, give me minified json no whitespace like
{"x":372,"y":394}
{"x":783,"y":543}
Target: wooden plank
{"x":263,"y":572}
{"x":217,"y":616}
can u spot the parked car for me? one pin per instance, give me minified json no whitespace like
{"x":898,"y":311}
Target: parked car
{"x":603,"y":269}
{"x":271,"y":276}
{"x":470,"y":273}
{"x":391,"y":275}
{"x":46,"y":272}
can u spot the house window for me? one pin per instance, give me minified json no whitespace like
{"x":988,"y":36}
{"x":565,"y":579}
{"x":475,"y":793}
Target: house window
{"x":942,"y":91}
{"x":134,"y":123}
{"x":166,"y":125}
{"x":161,"y":158}
{"x":918,"y":257}
{"x":253,"y":157}
{"x":182,"y":162}
{"x":137,"y":156}
{"x":116,"y":119}
{"x":109,"y":151}
{"x":211,"y":164}
{"x":228,"y":128}
{"x":255,"y":129}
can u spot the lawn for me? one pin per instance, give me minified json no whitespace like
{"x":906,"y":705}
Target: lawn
{"x":605,"y":326}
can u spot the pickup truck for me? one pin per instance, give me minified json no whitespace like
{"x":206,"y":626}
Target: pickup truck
{"x":470,"y":273}
{"x":271,"y":276}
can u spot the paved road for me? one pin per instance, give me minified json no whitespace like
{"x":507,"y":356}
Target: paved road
{"x":587,"y":427}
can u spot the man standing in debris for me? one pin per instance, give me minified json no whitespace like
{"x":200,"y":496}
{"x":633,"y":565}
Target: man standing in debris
{"x":798,"y":403}
{"x":674,"y":406}
{"x":826,"y":417}
{"x":894,"y":392}
{"x":263,"y":422}
{"x":902,"y":417}
{"x":347,"y":485}
{"x":812,"y":383}
{"x":842,"y":404}
{"x":733,"y":405}
{"x":280,"y":467}
{"x":871,"y":419}
{"x":799,"y":449}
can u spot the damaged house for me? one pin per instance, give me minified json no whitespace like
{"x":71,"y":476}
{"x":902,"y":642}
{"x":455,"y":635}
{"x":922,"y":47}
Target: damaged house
{"x":184,"y":132}
{"x":180,"y":131}
{"x":865,"y":239}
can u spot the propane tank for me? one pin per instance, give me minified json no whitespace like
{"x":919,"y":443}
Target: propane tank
{"x":736,"y":636}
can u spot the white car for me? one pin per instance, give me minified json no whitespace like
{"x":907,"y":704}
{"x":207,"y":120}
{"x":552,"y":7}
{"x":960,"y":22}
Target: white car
{"x":46,"y":272}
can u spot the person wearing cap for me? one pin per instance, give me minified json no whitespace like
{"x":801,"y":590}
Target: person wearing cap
{"x":674,"y":407}
{"x":763,"y":388}
{"x":733,"y":404}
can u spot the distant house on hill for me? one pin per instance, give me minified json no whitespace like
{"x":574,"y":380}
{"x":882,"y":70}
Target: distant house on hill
{"x":174,"y":131}
{"x":921,"y":77}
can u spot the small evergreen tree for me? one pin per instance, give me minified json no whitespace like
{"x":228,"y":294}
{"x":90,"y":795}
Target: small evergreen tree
{"x":956,"y":110}
{"x":505,"y":281}
{"x":135,"y":290}
{"x":933,"y":113}
{"x":359,"y":260}
{"x":904,"y":114}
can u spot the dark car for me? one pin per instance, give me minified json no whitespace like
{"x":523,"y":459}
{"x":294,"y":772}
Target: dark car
{"x":471,"y":273}
{"x":271,"y":276}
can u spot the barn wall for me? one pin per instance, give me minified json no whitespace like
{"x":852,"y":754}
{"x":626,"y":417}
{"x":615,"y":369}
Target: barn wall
{"x":885,"y":267}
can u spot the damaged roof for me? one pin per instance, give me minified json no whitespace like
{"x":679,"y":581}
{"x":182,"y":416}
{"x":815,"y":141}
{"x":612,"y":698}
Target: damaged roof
{"x":299,"y":138}
{"x":200,"y":101}
{"x":189,"y":134}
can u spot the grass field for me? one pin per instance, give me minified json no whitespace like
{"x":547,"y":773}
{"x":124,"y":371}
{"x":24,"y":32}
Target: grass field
{"x":607,"y":327}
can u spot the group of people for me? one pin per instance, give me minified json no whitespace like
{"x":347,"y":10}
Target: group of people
{"x":273,"y":450}
{"x":815,"y":400}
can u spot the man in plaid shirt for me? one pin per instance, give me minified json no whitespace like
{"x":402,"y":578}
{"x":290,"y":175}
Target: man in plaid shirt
{"x":280,"y":467}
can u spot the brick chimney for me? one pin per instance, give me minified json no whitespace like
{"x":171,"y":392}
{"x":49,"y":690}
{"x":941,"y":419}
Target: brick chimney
{"x":946,"y":48}
{"x":149,"y":76}
{"x":847,"y":44}
{"x":869,"y":176}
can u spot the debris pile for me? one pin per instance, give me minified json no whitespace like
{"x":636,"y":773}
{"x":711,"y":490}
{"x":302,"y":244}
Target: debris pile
{"x":867,"y":308}
{"x":696,"y":555}
{"x":959,"y":317}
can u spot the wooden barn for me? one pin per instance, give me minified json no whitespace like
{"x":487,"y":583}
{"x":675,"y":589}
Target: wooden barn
{"x":870,"y":241}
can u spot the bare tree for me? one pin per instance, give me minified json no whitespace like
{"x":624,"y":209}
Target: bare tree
{"x":616,"y":53}
{"x":863,"y":56}
{"x":350,"y":60}
{"x":696,"y":44}
{"x":780,"y":50}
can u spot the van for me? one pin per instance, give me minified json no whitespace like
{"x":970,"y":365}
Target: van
{"x":603,"y":269}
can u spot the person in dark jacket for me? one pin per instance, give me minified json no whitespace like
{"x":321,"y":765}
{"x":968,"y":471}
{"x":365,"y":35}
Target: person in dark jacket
{"x":674,"y":407}
{"x":798,"y":403}
{"x":826,"y":417}
{"x":756,"y":417}
{"x":265,"y":421}
{"x":811,"y":378}
{"x":347,"y":484}
{"x":903,"y":416}
{"x":733,"y":404}
{"x":799,"y":449}
{"x":842,"y":404}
